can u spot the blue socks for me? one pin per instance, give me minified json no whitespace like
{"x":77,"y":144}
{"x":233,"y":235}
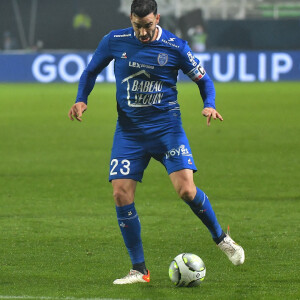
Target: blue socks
{"x":131,"y":231}
{"x":203,"y":210}
{"x":131,"y":228}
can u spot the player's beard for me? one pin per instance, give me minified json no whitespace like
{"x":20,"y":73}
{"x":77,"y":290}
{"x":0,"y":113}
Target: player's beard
{"x":148,"y":37}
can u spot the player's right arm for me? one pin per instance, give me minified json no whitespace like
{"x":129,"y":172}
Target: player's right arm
{"x":77,"y":110}
{"x":100,"y":60}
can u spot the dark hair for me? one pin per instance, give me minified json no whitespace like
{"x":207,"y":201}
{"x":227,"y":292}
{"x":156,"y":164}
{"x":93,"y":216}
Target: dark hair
{"x":142,"y":8}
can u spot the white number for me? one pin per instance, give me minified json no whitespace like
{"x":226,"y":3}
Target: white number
{"x":114,"y":161}
{"x":126,"y":164}
{"x":124,"y":171}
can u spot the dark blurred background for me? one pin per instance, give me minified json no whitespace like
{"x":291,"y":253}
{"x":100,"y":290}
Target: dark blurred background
{"x":207,"y":25}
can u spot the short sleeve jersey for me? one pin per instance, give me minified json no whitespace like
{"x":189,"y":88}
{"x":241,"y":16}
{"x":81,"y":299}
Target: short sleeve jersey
{"x":146,"y":75}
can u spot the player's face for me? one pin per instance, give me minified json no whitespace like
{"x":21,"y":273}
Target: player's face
{"x":145,"y":28}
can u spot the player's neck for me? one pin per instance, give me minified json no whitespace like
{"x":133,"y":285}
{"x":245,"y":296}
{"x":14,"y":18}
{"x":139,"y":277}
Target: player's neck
{"x":155,"y":35}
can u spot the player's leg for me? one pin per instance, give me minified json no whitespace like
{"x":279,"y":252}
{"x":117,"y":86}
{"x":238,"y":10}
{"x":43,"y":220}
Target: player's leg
{"x":178,"y":160}
{"x":123,"y":192}
{"x":127,"y":165}
{"x":199,"y":203}
{"x":129,"y":223}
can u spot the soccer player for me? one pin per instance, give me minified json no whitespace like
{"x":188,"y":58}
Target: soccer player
{"x":146,"y":63}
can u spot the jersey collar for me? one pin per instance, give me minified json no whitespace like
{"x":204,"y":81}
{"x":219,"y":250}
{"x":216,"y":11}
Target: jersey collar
{"x":159,"y":32}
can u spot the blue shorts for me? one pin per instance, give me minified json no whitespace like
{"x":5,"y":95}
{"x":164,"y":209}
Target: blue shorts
{"x":131,"y":152}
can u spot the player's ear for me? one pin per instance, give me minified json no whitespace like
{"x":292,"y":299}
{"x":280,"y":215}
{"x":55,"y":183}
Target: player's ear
{"x":157,"y":18}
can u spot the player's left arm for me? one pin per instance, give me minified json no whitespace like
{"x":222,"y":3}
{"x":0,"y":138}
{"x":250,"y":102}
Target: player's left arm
{"x":192,"y":68}
{"x":208,"y":94}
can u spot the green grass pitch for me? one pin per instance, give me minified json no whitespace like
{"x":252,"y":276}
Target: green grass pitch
{"x":59,"y":238}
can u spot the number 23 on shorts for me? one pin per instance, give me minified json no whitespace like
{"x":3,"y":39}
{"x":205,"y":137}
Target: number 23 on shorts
{"x":124,"y":167}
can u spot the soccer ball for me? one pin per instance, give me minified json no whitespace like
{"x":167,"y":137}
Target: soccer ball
{"x":187,"y":269}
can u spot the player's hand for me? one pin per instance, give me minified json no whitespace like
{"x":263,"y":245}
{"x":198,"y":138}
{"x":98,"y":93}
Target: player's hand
{"x":209,"y":113}
{"x":77,"y":110}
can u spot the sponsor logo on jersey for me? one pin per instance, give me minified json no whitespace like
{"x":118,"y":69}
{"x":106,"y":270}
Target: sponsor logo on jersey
{"x":122,"y":35}
{"x":153,"y":90}
{"x":181,"y":150}
{"x":124,"y":55}
{"x":171,"y":39}
{"x":142,"y":92}
{"x":197,"y":73}
{"x":146,"y":86}
{"x":162,"y":59}
{"x":192,"y":58}
{"x":143,"y":100}
{"x":137,"y":65}
{"x":169,"y":43}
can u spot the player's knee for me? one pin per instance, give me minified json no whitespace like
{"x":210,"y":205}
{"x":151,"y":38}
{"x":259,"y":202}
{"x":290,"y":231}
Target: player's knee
{"x":187,"y":193}
{"x":122,"y":197}
{"x":119,"y":194}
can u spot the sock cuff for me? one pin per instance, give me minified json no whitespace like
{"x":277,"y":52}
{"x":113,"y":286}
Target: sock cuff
{"x":219,"y":239}
{"x":127,"y":211}
{"x":199,"y":199}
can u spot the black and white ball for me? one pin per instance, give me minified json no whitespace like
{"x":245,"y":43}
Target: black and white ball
{"x":187,"y":269}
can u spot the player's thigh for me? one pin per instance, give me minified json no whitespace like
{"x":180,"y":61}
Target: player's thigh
{"x":128,"y":158}
{"x":177,"y":154}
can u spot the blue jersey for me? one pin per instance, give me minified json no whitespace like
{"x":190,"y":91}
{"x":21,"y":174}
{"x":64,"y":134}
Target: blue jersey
{"x":146,"y":76}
